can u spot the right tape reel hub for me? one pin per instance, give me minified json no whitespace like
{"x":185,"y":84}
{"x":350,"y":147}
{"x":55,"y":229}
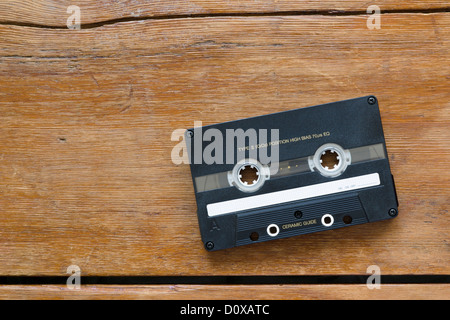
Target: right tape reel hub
{"x":330,"y":160}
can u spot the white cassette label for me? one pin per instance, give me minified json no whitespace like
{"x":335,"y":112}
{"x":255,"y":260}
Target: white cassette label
{"x":295,"y":194}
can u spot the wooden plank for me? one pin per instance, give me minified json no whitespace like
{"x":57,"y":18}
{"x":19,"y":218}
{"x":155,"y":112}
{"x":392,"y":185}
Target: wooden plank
{"x":229,"y":292}
{"x":54,"y":12}
{"x":85,"y":139}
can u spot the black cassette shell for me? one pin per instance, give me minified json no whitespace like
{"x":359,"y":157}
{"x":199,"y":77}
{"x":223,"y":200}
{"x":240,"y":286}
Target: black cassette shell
{"x":351,"y":124}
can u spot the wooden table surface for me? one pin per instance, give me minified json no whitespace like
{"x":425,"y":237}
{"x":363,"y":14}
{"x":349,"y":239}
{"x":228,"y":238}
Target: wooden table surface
{"x":87,"y":117}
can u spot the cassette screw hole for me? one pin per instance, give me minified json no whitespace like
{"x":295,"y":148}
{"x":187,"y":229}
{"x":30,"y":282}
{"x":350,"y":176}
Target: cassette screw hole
{"x":298,"y":214}
{"x":249,"y":175}
{"x":347,"y":219}
{"x":393,"y":212}
{"x":329,"y":159}
{"x":209,"y":245}
{"x":254,"y":236}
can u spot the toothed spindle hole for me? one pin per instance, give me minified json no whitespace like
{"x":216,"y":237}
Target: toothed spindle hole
{"x":249,"y":175}
{"x":329,"y":159}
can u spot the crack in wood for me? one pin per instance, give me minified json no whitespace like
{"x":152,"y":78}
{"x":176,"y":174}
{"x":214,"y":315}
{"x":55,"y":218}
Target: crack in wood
{"x":331,"y":13}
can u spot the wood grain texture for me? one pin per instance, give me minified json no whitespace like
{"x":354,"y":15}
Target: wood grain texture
{"x":229,"y":292}
{"x":54,"y":12}
{"x":86,"y":176}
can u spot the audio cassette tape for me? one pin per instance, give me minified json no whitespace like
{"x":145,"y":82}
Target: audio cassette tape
{"x":291,"y":173}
